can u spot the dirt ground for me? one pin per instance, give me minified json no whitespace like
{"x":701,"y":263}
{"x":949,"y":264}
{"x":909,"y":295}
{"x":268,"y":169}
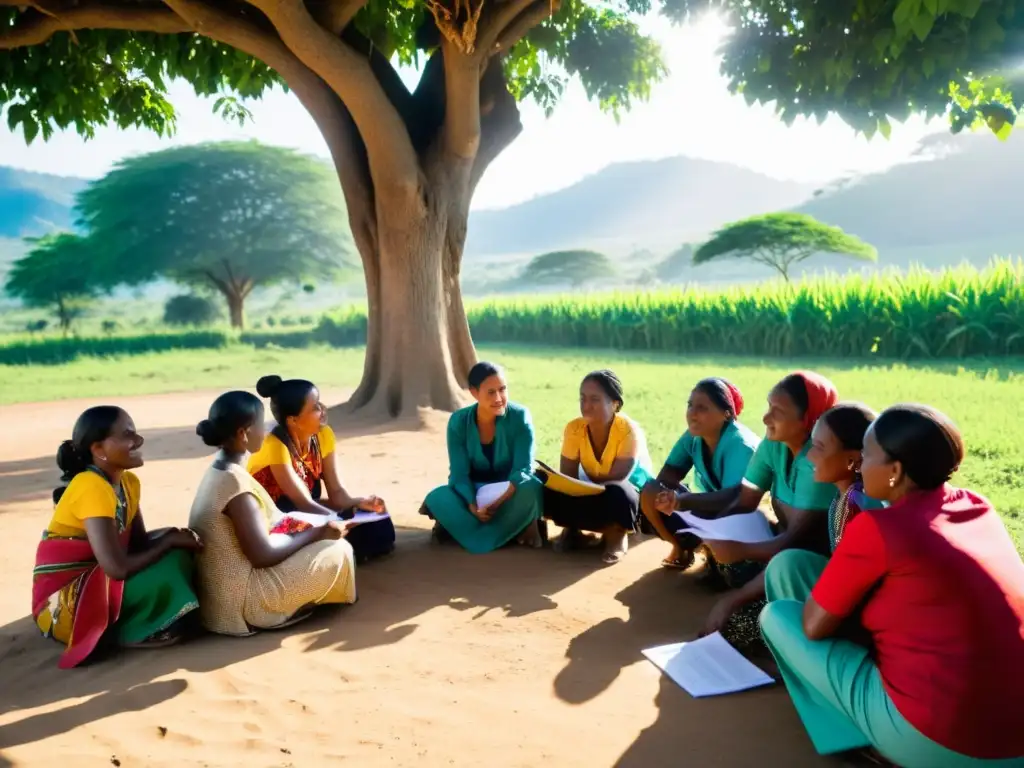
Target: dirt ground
{"x":517,"y":658}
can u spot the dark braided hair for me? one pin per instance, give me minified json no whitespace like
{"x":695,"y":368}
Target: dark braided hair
{"x":74,"y":456}
{"x":609,"y":383}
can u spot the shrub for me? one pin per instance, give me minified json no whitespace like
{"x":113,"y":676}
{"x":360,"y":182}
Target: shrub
{"x":189,"y":309}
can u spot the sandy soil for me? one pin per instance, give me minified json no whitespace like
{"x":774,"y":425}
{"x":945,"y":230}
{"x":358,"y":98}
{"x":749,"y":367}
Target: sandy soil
{"x":518,"y":658}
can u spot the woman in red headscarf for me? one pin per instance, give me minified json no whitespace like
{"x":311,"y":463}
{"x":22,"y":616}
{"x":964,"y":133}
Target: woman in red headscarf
{"x":716,"y":447}
{"x":779,"y":467}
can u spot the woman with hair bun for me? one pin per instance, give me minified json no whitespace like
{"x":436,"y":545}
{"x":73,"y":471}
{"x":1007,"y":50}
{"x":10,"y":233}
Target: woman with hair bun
{"x":492,"y":495}
{"x":716,"y":447}
{"x":299,"y":467}
{"x":248,"y":578}
{"x":936,"y":583}
{"x":605,"y":447}
{"x":99,"y":576}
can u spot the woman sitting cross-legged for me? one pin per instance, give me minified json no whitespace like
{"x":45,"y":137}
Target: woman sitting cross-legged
{"x":605,"y":447}
{"x":935,"y":582}
{"x":492,"y":495}
{"x":779,"y":467}
{"x":99,"y":576}
{"x":716,"y":447}
{"x":248,"y":578}
{"x":298,"y":465}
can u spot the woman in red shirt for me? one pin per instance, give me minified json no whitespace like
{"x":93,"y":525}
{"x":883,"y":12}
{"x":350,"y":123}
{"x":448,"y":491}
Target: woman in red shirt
{"x":936,"y":583}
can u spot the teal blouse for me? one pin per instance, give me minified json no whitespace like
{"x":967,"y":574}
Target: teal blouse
{"x":512,"y":451}
{"x":791,"y":482}
{"x":728,"y":463}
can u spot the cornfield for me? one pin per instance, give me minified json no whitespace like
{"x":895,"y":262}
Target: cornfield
{"x":956,"y":313}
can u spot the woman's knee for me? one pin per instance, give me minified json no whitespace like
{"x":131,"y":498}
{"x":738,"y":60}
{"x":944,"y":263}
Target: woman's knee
{"x":783,"y":569}
{"x":781,"y":619}
{"x":649,"y":495}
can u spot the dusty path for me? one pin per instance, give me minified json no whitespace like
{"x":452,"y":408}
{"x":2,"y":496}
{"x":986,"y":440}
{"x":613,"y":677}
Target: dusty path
{"x":519,"y":658}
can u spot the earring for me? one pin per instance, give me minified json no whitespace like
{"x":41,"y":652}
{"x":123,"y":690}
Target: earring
{"x":851,"y":465}
{"x":892,"y":482}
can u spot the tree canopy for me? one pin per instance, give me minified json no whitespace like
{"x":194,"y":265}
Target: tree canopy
{"x":56,"y":274}
{"x":873,"y":61}
{"x":780,"y":240}
{"x":574,"y":267}
{"x":225,"y":216}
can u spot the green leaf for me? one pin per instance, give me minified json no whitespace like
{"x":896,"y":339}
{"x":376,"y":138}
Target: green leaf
{"x":884,"y":128}
{"x":922,"y":25}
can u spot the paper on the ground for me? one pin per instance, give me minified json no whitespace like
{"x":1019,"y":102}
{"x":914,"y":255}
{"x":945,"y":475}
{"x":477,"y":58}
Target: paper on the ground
{"x":707,"y":667}
{"x":748,"y":528}
{"x":490,"y":493}
{"x":318,"y":520}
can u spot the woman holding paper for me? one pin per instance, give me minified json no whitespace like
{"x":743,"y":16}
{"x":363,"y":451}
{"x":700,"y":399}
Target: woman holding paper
{"x":298,"y":465}
{"x":249,"y":579}
{"x":606,"y":447}
{"x":780,"y":468}
{"x":936,"y":583}
{"x":492,"y":495}
{"x":716,"y":447}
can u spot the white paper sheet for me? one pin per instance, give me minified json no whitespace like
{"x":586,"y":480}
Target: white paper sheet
{"x":318,"y":520}
{"x":707,"y":667}
{"x":749,"y":528}
{"x":490,"y":493}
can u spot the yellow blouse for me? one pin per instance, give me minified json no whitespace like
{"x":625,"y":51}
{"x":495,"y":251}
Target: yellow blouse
{"x":276,"y":453}
{"x":576,"y":445}
{"x":90,"y":495}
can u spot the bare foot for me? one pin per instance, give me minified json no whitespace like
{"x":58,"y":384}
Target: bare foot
{"x":615,"y":547}
{"x":530,"y":537}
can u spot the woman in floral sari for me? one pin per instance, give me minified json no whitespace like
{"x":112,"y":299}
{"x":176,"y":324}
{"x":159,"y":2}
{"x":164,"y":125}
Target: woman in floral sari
{"x":98,"y":575}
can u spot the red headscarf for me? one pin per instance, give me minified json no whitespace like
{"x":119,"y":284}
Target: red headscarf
{"x":821,"y":396}
{"x":734,"y":396}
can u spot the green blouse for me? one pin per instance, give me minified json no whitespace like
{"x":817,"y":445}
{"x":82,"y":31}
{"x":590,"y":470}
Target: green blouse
{"x":728,"y":463}
{"x":790,"y":481}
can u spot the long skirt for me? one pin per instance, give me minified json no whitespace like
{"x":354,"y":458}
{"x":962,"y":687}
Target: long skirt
{"x":524,"y":507}
{"x":617,"y":505}
{"x":834,"y":683}
{"x":320,"y":573}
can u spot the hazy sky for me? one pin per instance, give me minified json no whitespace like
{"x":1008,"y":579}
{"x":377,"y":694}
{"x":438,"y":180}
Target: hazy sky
{"x":690,"y":113}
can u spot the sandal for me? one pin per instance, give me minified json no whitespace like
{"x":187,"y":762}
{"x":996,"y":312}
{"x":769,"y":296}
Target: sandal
{"x":677,"y":563}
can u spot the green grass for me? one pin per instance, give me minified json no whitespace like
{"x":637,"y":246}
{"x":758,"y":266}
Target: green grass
{"x":985,"y":399}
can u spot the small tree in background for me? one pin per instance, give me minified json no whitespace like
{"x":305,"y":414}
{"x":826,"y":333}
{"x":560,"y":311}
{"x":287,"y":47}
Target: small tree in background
{"x":189,"y":309}
{"x":577,"y":268}
{"x":58,"y":274}
{"x":780,"y":240}
{"x":232,"y":216}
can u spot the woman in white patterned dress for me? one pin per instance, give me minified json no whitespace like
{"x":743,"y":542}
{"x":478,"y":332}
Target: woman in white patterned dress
{"x":249,"y":578}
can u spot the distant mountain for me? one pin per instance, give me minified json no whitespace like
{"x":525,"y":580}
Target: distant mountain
{"x":33,"y":204}
{"x":641,"y":203}
{"x":959,"y":201}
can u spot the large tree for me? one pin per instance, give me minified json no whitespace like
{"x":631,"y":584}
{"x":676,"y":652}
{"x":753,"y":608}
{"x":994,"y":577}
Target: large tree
{"x":409,"y":161}
{"x":577,"y":268}
{"x":56,"y":274}
{"x":227,"y":216}
{"x":781,"y":240}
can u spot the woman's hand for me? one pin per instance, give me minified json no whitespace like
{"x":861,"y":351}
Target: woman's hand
{"x":720,"y":614}
{"x":335,"y":530}
{"x":665,"y":502}
{"x":726,"y":552}
{"x":183,"y":538}
{"x":372,"y":504}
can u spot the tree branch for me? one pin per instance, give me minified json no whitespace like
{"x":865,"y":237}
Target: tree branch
{"x":392,"y":159}
{"x":336,"y":15}
{"x":499,"y":122}
{"x":34,"y":29}
{"x":462,"y":103}
{"x":497,"y":21}
{"x":524,"y":22}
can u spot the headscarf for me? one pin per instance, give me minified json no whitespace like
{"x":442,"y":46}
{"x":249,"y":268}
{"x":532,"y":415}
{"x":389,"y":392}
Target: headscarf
{"x":821,"y":396}
{"x":725,"y":394}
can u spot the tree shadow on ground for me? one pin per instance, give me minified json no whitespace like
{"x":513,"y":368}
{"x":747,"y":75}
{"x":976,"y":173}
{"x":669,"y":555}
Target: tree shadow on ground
{"x":392,"y":592}
{"x":668,"y":607}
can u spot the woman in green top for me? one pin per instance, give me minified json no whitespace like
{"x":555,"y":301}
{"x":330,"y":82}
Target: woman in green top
{"x":492,"y":495}
{"x":780,"y":467}
{"x":715,"y":446}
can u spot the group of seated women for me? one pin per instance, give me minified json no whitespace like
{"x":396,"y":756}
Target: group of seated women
{"x":892,"y":602}
{"x":240,"y":566}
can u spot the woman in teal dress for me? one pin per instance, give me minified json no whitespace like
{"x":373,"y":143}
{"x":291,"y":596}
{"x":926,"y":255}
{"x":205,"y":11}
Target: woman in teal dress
{"x":492,"y":495}
{"x":716,"y":447}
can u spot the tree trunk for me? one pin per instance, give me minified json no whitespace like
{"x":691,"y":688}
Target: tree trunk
{"x":236,"y":309}
{"x":418,"y":340}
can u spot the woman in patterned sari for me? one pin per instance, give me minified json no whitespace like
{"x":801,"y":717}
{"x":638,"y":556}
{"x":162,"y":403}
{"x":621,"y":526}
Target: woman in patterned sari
{"x":299,"y":467}
{"x":99,"y":577}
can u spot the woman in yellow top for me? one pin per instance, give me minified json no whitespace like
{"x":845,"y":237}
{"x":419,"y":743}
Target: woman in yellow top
{"x":99,"y":576}
{"x":605,"y":447}
{"x":299,"y":468}
{"x":249,"y":578}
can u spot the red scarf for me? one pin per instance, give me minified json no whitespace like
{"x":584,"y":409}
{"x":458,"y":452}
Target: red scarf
{"x":821,"y":396}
